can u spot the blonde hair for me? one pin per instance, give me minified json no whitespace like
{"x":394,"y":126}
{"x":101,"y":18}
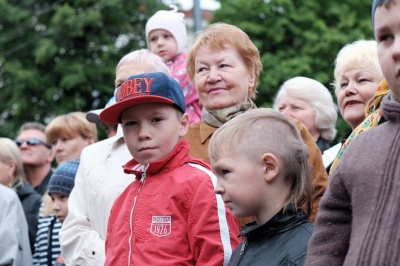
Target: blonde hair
{"x":359,"y":54}
{"x":220,"y":36}
{"x":9,"y":152}
{"x":318,"y":96}
{"x":71,"y":125}
{"x":265,"y":130}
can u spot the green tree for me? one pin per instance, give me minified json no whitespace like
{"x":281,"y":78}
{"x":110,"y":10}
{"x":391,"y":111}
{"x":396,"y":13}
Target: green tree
{"x":60,"y":56}
{"x":298,"y":37}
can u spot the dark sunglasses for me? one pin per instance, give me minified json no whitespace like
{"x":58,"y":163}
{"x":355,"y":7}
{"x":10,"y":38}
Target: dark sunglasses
{"x":31,"y":142}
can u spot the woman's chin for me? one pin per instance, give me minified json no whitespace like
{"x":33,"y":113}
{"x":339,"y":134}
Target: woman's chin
{"x":218,"y":105}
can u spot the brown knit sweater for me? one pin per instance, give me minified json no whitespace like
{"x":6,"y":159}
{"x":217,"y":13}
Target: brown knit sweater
{"x":358,"y":222}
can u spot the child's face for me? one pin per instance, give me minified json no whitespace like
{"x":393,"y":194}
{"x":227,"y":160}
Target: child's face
{"x":152,"y":130}
{"x":387,"y":35}
{"x":60,"y":206}
{"x":163,"y":44}
{"x":240,"y":182}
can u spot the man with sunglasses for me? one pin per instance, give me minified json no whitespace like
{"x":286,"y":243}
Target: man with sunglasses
{"x":36,"y":154}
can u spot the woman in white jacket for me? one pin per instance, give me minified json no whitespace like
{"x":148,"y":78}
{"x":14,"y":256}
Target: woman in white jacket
{"x":14,"y":244}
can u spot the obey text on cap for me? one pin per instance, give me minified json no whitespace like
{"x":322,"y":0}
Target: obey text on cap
{"x":134,"y":87}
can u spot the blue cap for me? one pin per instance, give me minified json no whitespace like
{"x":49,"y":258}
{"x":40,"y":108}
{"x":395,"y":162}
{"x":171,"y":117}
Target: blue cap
{"x":144,"y":88}
{"x":93,"y":115}
{"x":62,"y":180}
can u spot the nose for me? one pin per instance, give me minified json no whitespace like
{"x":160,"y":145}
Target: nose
{"x":396,"y":49}
{"x":144,"y":132}
{"x":160,"y":41}
{"x":213,"y":75}
{"x":57,"y":145}
{"x":24,"y":145}
{"x":56,"y":206}
{"x":351,"y":88}
{"x":219,"y":189}
{"x":286,"y":111}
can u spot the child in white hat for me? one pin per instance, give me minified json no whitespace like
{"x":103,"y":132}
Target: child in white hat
{"x":166,"y":36}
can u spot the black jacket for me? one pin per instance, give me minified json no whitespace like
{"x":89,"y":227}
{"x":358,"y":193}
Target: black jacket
{"x":280,"y":241}
{"x":322,"y":145}
{"x":30,"y":201}
{"x":42,"y":188}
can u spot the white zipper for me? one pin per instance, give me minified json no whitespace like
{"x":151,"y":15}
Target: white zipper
{"x":142,"y":180}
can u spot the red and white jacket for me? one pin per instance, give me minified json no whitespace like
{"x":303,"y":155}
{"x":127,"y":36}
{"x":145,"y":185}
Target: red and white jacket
{"x":171,"y":216}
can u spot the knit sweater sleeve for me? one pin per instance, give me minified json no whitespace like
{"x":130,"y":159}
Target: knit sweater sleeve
{"x":330,"y":240}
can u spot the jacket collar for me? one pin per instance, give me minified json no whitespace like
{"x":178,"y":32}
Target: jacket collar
{"x":278,"y":224}
{"x":178,"y":157}
{"x":206,"y":131}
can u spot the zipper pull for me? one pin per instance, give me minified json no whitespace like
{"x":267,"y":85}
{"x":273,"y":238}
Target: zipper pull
{"x":244,"y":246}
{"x":143,"y":179}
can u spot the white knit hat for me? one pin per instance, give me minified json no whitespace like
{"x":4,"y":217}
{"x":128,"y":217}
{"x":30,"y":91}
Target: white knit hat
{"x":171,"y":21}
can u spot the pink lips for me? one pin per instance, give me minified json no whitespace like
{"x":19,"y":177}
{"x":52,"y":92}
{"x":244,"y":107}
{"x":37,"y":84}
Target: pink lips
{"x":215,"y":90}
{"x":145,"y":149}
{"x":350,"y":103}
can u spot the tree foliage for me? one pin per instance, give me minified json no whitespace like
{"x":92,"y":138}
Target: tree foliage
{"x":297,"y":37}
{"x":60,"y":56}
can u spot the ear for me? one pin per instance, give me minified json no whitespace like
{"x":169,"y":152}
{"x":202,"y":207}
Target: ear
{"x":11,"y":169}
{"x":271,"y":166}
{"x":184,"y":125}
{"x":252,"y":80}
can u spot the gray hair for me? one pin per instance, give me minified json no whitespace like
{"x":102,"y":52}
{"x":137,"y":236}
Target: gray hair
{"x":318,"y":96}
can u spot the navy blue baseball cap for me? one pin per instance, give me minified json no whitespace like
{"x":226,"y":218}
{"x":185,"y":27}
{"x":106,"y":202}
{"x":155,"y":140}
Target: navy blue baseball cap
{"x":154,"y":87}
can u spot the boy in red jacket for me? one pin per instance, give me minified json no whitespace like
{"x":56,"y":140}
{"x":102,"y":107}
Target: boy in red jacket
{"x":170,"y":214}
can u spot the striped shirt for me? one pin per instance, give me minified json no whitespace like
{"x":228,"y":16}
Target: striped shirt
{"x":47,"y":243}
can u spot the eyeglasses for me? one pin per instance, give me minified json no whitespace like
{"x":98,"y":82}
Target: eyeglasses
{"x":31,"y":142}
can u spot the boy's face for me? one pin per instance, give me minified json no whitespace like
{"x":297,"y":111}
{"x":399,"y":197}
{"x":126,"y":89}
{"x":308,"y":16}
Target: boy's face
{"x":163,"y":44}
{"x":387,"y":35}
{"x":241,"y":184}
{"x":152,"y":130}
{"x":60,"y":205}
